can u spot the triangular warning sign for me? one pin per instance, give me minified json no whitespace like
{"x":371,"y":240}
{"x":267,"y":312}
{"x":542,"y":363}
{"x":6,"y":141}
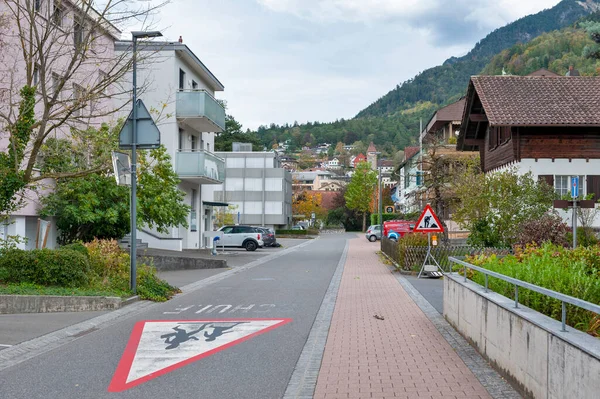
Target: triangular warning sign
{"x":428,"y":222}
{"x":157,"y":347}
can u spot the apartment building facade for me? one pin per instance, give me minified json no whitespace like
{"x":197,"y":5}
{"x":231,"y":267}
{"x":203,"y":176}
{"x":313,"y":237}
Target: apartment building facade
{"x":176,"y":82}
{"x":257,"y":187}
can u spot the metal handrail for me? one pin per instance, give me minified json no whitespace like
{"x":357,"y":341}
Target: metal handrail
{"x":564,"y":299}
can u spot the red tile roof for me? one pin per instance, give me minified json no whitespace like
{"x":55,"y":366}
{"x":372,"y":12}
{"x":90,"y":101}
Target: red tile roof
{"x":539,"y":100}
{"x":410,"y":152}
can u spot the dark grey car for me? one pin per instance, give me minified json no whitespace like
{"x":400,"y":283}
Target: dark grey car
{"x":268,"y":236}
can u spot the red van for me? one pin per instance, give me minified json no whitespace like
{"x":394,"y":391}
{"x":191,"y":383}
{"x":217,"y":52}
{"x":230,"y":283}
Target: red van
{"x":399,"y":227}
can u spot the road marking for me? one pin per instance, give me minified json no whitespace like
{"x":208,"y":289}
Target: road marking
{"x":5,"y":346}
{"x":224,"y":308}
{"x":157,"y":347}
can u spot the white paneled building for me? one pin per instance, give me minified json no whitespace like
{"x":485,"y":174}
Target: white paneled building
{"x":175,"y":82}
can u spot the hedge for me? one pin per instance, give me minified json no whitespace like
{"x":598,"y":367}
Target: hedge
{"x":291,"y":232}
{"x":62,"y":268}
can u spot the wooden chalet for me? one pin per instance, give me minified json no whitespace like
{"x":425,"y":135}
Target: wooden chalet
{"x":549,"y":125}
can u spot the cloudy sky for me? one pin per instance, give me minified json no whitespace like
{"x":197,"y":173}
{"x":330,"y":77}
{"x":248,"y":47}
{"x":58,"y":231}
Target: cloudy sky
{"x":320,"y":60}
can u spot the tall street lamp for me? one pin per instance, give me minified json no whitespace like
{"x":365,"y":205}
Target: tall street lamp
{"x":133,"y":248}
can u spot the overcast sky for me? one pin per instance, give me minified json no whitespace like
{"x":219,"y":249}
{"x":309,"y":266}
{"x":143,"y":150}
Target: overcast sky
{"x":321,"y":60}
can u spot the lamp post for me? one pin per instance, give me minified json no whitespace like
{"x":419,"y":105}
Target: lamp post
{"x":380,"y":205}
{"x":133,"y":247}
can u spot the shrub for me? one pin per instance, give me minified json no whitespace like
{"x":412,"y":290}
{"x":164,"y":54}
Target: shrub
{"x":586,"y":237}
{"x":111,"y":266}
{"x":76,"y":246}
{"x":548,"y":228}
{"x":406,"y":242}
{"x":571,"y":272}
{"x":63,"y":268}
{"x":483,"y":235}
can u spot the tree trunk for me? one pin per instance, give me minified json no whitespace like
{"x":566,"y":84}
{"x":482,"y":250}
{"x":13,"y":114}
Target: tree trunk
{"x":364,"y":222}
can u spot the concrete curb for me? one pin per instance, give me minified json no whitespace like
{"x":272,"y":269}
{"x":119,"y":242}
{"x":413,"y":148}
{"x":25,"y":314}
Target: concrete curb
{"x":13,"y":304}
{"x":303,"y":382}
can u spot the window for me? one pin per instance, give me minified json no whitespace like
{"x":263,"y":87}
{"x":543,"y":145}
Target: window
{"x":194,"y":85}
{"x":181,"y":134}
{"x":56,"y":85}
{"x":562,"y":185}
{"x":273,"y":184}
{"x":181,"y":79}
{"x":77,"y":32}
{"x":257,"y":163}
{"x":253,"y":184}
{"x":273,"y":207}
{"x":79,"y":99}
{"x":36,"y":75}
{"x":194,"y":142}
{"x":58,"y":15}
{"x":228,"y":230}
{"x":253,"y":207}
{"x":504,"y":134}
{"x":235,"y":162}
{"x":493,"y":137}
{"x":194,"y":197}
{"x":37,"y":4}
{"x":234,"y":184}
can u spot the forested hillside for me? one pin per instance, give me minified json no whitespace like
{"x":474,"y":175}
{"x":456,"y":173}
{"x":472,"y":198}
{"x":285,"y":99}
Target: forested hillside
{"x":392,"y":122}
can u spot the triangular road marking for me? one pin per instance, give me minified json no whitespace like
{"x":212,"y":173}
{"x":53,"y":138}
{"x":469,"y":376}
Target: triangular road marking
{"x":157,"y":347}
{"x":428,"y":222}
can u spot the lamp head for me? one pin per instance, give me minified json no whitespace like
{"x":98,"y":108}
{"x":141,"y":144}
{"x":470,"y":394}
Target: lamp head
{"x":145,"y":34}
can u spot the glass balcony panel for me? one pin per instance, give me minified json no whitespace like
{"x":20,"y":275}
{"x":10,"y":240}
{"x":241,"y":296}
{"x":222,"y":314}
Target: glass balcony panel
{"x":200,"y":110}
{"x":200,"y":166}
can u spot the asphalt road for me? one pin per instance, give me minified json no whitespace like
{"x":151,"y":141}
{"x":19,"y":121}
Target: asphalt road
{"x":242,"y":336}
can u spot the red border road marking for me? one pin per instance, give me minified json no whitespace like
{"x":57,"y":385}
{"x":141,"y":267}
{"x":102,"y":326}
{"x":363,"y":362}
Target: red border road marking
{"x":119,"y":381}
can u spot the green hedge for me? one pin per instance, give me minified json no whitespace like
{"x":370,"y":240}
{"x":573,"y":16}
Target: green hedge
{"x":291,"y":232}
{"x":62,"y":268}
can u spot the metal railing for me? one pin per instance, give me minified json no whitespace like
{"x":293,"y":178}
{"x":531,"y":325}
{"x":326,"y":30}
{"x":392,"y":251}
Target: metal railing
{"x":564,"y":299}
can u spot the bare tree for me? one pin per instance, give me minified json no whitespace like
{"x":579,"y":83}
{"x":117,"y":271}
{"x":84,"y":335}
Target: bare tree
{"x":64,"y":50}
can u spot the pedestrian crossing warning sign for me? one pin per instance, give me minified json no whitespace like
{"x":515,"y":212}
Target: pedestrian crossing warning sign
{"x":157,"y":347}
{"x":428,"y":222}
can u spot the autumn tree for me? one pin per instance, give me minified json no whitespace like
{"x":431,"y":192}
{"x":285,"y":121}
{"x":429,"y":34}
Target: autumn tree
{"x":306,"y":203}
{"x":58,"y":59}
{"x":360,"y":190}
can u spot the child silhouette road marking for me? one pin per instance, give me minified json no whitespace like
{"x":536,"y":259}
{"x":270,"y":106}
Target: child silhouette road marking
{"x":181,"y":335}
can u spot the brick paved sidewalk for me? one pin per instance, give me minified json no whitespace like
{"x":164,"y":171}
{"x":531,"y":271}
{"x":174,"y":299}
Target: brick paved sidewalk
{"x":402,"y":356}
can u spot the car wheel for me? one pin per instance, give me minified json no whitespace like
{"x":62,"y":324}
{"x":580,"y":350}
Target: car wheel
{"x":250,"y":246}
{"x":373,"y":238}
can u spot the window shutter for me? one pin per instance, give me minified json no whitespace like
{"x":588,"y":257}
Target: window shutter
{"x":549,"y":179}
{"x":593,"y":186}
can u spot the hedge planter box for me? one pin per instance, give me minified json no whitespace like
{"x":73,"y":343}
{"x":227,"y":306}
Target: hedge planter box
{"x":527,"y":347}
{"x":11,"y":304}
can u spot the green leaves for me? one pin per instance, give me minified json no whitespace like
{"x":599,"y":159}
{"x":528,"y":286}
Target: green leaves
{"x":360,"y":190}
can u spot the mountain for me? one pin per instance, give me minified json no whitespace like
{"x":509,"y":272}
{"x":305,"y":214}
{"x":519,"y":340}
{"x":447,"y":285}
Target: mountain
{"x":441,"y":83}
{"x":392,"y":122}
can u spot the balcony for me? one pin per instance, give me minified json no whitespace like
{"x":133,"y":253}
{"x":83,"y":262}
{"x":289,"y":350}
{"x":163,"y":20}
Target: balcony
{"x":200,"y":167}
{"x":200,"y":111}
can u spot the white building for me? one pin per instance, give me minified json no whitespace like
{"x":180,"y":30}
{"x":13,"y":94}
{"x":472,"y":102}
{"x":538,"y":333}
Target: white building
{"x":182,"y":88}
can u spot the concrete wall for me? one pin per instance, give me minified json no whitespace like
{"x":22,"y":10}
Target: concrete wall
{"x":524,"y":345}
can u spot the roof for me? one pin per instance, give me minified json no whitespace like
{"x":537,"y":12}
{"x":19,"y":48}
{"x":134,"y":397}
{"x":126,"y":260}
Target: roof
{"x":543,"y":72}
{"x":450,"y":113}
{"x":372,"y":148}
{"x":539,"y":100}
{"x":386,"y":162}
{"x":410,"y":152}
{"x":182,"y":50}
{"x":309,"y":175}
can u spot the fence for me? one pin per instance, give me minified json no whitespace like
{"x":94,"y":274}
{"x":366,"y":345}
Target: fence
{"x":564,"y":299}
{"x":412,"y":258}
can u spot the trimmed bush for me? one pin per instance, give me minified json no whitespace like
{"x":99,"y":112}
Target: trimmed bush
{"x":548,"y":228}
{"x":291,"y":232}
{"x":63,"y":268}
{"x":76,"y":246}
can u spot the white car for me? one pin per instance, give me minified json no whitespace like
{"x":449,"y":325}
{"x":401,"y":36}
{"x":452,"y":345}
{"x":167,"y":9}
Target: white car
{"x":241,"y":237}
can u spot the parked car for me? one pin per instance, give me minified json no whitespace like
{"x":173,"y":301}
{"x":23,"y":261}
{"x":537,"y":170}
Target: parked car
{"x":242,"y":237}
{"x":394,"y":229}
{"x":373,"y":233}
{"x":297,"y":227}
{"x":268,"y":236}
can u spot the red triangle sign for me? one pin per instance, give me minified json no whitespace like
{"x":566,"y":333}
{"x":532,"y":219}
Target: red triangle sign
{"x":157,"y":347}
{"x":428,"y":222}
